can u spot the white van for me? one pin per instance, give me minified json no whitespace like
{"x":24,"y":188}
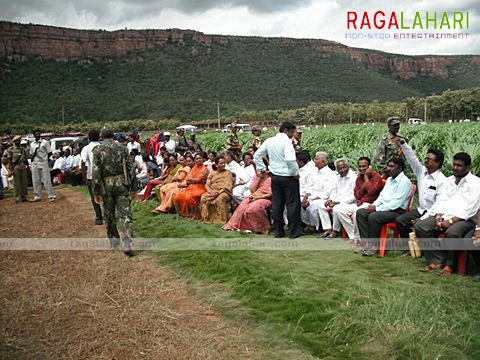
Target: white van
{"x":58,"y":143}
{"x":240,"y":127}
{"x":416,"y":121}
{"x":187,"y":128}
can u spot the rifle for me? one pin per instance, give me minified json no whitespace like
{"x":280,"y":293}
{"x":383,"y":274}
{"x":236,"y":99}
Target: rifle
{"x":34,"y":153}
{"x":125,"y":175}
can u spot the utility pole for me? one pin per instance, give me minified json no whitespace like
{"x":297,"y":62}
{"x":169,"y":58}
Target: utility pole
{"x":218,"y":114}
{"x":425,"y":110}
{"x":350,"y":103}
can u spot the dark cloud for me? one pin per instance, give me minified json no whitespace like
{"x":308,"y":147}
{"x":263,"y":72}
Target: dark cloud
{"x":10,"y":9}
{"x":256,"y":6}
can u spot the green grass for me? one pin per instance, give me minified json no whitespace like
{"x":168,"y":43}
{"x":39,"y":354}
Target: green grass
{"x":330,"y":304}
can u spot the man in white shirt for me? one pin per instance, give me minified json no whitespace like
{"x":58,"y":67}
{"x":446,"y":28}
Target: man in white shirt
{"x":429,"y":184}
{"x":87,"y":167}
{"x":342,"y":194}
{"x":39,"y":152}
{"x":230,"y":163}
{"x":243,"y":178}
{"x":455,"y":211}
{"x":132,"y":144}
{"x":319,"y":189}
{"x":169,"y":143}
{"x":58,"y":166}
{"x":285,"y":187}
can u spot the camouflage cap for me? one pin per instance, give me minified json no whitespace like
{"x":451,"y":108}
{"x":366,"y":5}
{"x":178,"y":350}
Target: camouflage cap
{"x":393,"y":120}
{"x":233,"y":124}
{"x":106,"y":131}
{"x":17,"y":138}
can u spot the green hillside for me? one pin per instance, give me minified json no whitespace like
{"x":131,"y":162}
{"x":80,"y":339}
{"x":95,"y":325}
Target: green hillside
{"x":186,"y":81}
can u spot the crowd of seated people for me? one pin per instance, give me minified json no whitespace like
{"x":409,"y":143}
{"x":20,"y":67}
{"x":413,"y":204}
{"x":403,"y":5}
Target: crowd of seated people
{"x":225,"y":188}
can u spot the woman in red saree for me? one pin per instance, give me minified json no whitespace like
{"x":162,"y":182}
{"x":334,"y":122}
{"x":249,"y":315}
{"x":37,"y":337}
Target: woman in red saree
{"x":187,"y":200}
{"x":215,"y":202}
{"x":167,"y":192}
{"x":251,"y":214}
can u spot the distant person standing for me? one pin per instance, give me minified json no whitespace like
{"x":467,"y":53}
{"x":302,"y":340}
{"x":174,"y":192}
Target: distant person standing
{"x":181,"y":144}
{"x":285,"y":184}
{"x":87,"y":168}
{"x":113,"y":179}
{"x":233,"y":142}
{"x":256,"y":140}
{"x":39,"y":152}
{"x":389,"y":146}
{"x":17,"y":160}
{"x":297,"y":140}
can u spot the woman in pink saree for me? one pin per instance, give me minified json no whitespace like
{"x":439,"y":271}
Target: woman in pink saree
{"x":251,"y":214}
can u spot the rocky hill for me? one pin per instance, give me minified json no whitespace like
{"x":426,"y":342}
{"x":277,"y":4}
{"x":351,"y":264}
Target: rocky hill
{"x":179,"y":59}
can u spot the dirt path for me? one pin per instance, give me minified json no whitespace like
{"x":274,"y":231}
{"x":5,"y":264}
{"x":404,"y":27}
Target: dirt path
{"x":98,"y":305}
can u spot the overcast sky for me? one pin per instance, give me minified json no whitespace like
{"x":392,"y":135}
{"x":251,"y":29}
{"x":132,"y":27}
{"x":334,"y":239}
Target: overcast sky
{"x":317,"y":19}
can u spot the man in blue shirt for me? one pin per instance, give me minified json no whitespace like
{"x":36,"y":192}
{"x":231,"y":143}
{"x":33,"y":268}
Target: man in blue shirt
{"x":391,"y":203}
{"x":285,"y":185}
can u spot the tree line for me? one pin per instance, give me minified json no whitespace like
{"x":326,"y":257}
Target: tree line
{"x":450,"y":105}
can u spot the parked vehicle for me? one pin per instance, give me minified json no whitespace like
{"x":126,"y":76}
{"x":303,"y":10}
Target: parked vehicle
{"x":416,"y":121}
{"x":57,"y":143}
{"x":187,"y":128}
{"x":241,"y":128}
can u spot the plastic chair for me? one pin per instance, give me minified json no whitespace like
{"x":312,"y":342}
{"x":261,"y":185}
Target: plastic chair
{"x":60,"y":178}
{"x":393,"y":225}
{"x":462,"y":259}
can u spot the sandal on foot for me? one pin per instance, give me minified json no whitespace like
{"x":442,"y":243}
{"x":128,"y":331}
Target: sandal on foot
{"x":446,"y":271}
{"x":430,"y":268}
{"x":368,"y":252}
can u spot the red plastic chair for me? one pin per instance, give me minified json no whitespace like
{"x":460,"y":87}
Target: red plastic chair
{"x":393,"y":226}
{"x":462,"y":259}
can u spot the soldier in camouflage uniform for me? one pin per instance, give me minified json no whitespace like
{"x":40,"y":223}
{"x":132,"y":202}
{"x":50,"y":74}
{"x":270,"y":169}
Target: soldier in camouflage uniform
{"x":113,"y":179}
{"x":388,"y":145}
{"x":17,"y":164}
{"x":181,"y":144}
{"x":233,"y":142}
{"x":297,"y":140}
{"x":256,"y":141}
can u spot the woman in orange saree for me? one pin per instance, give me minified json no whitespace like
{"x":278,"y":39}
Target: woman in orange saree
{"x":168,"y":191}
{"x":214,"y":203}
{"x":187,"y":200}
{"x":165,"y":178}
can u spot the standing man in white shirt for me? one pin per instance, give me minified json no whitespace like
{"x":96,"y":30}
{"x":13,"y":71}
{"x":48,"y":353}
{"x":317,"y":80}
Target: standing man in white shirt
{"x":342,"y":194}
{"x":455,"y":211}
{"x":429,"y":183}
{"x":285,"y":186}
{"x":87,"y":167}
{"x":39,"y":152}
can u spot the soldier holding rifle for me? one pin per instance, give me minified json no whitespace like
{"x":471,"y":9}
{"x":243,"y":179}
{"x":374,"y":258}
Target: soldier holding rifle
{"x":113,"y":179}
